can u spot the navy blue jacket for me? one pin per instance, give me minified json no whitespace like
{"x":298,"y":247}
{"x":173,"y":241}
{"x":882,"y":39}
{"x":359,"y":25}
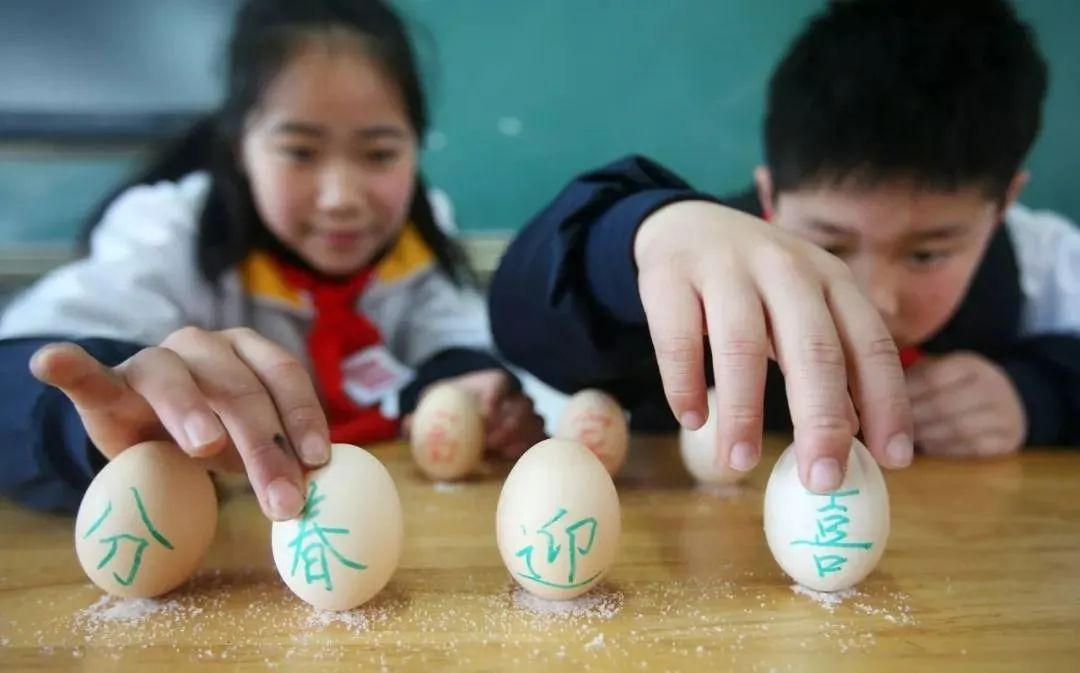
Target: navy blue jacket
{"x":564,"y":305}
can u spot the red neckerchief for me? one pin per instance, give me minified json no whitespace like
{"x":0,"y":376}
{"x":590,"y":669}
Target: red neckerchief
{"x":338,"y":332}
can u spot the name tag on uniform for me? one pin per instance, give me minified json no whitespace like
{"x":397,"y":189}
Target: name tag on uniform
{"x":372,"y":374}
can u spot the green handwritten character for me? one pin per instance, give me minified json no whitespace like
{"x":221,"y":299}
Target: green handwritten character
{"x":312,"y":542}
{"x":832,"y":535}
{"x":574,"y":549}
{"x":141,"y":543}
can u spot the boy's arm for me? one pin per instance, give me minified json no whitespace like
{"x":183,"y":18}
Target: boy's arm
{"x":1045,"y":364}
{"x":1046,"y":373}
{"x":564,"y":302}
{"x":47,"y":461}
{"x":616,"y":282}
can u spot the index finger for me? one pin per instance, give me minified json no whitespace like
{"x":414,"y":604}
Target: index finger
{"x":815,"y":375}
{"x":876,"y":376}
{"x":674,"y":314}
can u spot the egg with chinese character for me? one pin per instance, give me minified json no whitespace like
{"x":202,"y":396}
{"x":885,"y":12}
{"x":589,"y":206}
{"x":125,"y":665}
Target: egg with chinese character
{"x":595,"y":419}
{"x":146,"y":521}
{"x":698,"y":449}
{"x":345,"y":545}
{"x":557,"y":524}
{"x":831,"y":541}
{"x":447,"y":434}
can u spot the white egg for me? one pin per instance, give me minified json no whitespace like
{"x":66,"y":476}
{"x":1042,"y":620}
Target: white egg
{"x":447,"y":434}
{"x":146,"y":521}
{"x":557,"y":524}
{"x":698,"y":448}
{"x":827,"y":542}
{"x":346,"y":544}
{"x":595,"y":419}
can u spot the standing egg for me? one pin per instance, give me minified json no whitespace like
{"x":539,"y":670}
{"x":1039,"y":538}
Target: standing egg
{"x":698,"y":448}
{"x":447,"y":434}
{"x":346,"y":544}
{"x":146,"y":521}
{"x":595,"y":419}
{"x":831,"y":541}
{"x":557,"y":524}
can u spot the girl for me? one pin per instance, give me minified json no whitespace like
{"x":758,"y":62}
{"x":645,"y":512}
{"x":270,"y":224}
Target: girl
{"x":290,"y":232}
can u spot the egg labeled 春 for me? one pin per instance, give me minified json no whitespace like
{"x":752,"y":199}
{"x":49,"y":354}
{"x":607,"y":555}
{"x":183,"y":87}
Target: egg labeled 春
{"x":596,"y":419}
{"x":831,"y":541}
{"x":146,"y":521}
{"x":346,"y":544}
{"x":557,"y":524}
{"x":447,"y":435}
{"x":699,"y":451}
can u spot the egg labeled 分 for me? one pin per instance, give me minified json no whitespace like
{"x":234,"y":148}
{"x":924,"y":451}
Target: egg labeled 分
{"x":831,"y":541}
{"x":558,"y":522}
{"x":447,"y":435}
{"x":698,"y":449}
{"x":146,"y":521}
{"x":344,"y":547}
{"x":595,"y":419}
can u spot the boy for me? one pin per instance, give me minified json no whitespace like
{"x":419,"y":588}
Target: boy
{"x":894,"y":137}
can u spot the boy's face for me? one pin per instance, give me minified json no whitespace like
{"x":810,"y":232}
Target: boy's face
{"x":913,"y":251}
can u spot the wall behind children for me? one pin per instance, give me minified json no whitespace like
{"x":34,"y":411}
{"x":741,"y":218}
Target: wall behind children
{"x":524,"y":94}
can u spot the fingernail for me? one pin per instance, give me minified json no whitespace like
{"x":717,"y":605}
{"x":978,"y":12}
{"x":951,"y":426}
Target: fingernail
{"x":825,"y":475}
{"x":201,"y":430}
{"x":691,"y":420}
{"x":315,"y":449}
{"x":900,"y":450}
{"x":743,"y":457}
{"x":283,"y":499}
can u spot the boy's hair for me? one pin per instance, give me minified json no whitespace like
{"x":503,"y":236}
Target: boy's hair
{"x":943,"y":93}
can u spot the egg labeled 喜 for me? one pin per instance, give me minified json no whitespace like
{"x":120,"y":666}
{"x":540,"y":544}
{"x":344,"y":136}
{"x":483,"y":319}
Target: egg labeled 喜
{"x":830,"y":541}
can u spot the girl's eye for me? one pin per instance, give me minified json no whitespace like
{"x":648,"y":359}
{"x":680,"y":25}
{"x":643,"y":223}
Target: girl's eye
{"x":837,"y":251}
{"x":382,"y":157}
{"x":298,"y":154}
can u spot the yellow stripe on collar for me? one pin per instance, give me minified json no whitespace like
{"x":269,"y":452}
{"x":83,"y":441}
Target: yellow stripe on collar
{"x":409,"y":256}
{"x":263,"y":280}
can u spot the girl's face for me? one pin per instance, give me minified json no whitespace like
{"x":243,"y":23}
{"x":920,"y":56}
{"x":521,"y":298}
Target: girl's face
{"x":331,"y":157}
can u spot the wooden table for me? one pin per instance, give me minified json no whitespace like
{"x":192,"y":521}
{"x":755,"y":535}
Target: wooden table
{"x":982,"y":572}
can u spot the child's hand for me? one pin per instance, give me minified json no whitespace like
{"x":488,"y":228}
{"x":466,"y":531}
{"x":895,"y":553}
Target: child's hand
{"x":511,"y":425}
{"x":232,"y":396}
{"x":965,"y":405}
{"x":755,"y":290}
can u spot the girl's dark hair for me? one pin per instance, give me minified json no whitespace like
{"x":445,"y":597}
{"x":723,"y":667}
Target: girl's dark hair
{"x":264,"y":34}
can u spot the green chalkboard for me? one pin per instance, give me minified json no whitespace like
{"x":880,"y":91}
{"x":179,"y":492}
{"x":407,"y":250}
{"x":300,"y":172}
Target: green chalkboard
{"x":525,"y":94}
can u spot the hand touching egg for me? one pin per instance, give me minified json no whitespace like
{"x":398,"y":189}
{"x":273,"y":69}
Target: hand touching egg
{"x":345,"y":545}
{"x":827,"y":542}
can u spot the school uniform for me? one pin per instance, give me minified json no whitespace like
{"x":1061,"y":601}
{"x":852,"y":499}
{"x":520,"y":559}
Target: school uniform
{"x":564,"y":302}
{"x":372,"y":343}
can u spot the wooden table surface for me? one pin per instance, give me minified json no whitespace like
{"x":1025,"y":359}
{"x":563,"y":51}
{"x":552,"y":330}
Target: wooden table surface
{"x":981,"y":573}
